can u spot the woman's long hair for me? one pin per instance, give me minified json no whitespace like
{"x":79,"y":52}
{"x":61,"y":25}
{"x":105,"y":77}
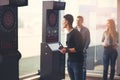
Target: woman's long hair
{"x":111,"y":30}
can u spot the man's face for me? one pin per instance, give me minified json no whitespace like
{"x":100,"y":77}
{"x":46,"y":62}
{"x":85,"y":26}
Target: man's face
{"x":79,"y":21}
{"x":64,"y":23}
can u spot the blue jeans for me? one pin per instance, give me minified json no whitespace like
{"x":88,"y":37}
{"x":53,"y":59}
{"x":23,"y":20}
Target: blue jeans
{"x":109,"y":58}
{"x":75,"y":70}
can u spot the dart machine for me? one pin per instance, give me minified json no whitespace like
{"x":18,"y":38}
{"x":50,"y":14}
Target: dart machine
{"x":52,"y":65}
{"x":9,"y":54}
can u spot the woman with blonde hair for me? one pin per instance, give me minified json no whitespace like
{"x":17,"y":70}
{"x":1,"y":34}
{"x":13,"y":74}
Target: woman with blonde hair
{"x":110,"y":40}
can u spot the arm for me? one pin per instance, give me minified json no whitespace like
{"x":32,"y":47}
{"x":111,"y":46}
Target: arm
{"x":87,"y":39}
{"x":117,"y":41}
{"x":104,"y":41}
{"x":78,"y":40}
{"x":103,"y":37}
{"x":77,"y":45}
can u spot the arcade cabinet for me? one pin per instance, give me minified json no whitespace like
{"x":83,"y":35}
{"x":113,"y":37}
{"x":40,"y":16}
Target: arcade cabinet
{"x":52,"y":65}
{"x":9,"y":54}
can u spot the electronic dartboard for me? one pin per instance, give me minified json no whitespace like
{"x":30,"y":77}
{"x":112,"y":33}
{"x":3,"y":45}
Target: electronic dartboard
{"x":50,"y":45}
{"x":52,"y":26}
{"x":8,"y":27}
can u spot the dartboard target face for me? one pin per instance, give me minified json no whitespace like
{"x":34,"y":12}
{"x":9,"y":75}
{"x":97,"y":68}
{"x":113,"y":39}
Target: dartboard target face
{"x":52,"y":19}
{"x":8,"y":27}
{"x":8,"y":19}
{"x":52,"y":28}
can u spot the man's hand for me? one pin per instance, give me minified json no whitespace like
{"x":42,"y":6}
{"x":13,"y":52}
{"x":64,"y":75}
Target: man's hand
{"x":63,"y":50}
{"x":72,"y":50}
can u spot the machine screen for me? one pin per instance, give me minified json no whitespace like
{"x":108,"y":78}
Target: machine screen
{"x":52,"y":26}
{"x":8,"y":27}
{"x":54,"y":46}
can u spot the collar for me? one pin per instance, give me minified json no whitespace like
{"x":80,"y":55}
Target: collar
{"x":79,"y":28}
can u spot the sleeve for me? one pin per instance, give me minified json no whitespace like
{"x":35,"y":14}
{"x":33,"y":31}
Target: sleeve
{"x":78,"y":42}
{"x":87,"y":42}
{"x":103,"y":37}
{"x":117,"y":37}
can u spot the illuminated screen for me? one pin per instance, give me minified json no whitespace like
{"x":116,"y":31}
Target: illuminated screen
{"x":52,"y":28}
{"x":54,"y":46}
{"x":8,"y":27}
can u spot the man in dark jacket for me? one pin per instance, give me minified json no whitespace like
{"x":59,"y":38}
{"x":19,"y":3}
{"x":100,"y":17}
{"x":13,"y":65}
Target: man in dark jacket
{"x":86,"y":40}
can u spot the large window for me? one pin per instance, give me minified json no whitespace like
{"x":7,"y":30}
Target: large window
{"x":95,"y":13}
{"x":30,"y":28}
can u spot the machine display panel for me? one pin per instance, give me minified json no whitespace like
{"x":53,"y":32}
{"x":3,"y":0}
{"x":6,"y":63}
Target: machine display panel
{"x":52,"y":28}
{"x":19,"y":2}
{"x":54,"y":46}
{"x":8,"y":27}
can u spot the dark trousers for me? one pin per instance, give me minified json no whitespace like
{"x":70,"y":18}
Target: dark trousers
{"x":84,"y":66}
{"x":109,"y":58}
{"x":75,"y":70}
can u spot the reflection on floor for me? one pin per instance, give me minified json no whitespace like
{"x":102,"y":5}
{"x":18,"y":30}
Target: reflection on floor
{"x":32,"y":64}
{"x":94,"y":77}
{"x":29,"y":65}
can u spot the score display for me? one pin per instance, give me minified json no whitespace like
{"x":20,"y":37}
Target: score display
{"x":52,"y":28}
{"x":14,"y":2}
{"x":19,"y":2}
{"x":8,"y":27}
{"x":58,"y":5}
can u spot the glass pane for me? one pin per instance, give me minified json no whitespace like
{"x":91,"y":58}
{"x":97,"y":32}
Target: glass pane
{"x":30,"y":26}
{"x":105,"y":10}
{"x":95,"y":13}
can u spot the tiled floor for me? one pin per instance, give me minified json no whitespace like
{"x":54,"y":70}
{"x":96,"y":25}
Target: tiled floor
{"x":25,"y":68}
{"x":88,"y":78}
{"x":93,"y":78}
{"x":36,"y":77}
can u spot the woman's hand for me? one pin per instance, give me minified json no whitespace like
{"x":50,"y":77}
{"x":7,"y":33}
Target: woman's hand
{"x":115,"y":46}
{"x":106,"y":45}
{"x":72,"y":50}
